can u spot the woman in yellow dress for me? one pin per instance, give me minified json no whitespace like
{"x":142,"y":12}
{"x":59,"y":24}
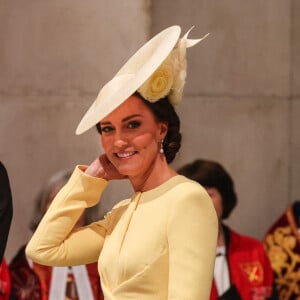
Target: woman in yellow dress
{"x":160,"y":243}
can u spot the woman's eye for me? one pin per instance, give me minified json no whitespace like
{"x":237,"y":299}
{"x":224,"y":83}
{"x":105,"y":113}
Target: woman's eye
{"x":134,"y":124}
{"x":106,"y":129}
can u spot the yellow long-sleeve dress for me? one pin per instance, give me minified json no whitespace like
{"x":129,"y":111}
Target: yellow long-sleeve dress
{"x":159,"y":244}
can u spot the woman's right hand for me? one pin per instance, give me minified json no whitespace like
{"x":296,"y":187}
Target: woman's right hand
{"x":102,"y":167}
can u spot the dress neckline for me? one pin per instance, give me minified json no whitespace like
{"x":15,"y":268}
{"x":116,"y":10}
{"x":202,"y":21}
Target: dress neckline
{"x":161,"y":189}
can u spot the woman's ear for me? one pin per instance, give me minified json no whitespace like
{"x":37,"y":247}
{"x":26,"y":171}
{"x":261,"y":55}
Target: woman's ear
{"x":163,"y":129}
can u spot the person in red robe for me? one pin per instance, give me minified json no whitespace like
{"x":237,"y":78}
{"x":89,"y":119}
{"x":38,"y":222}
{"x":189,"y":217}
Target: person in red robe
{"x":32,"y":281}
{"x":242,"y":268}
{"x":282,"y":242}
{"x":5,"y":283}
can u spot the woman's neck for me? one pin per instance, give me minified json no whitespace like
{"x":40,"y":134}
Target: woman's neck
{"x":221,"y":236}
{"x":154,"y":177}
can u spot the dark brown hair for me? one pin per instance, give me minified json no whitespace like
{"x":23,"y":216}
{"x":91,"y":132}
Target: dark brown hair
{"x":211,"y":174}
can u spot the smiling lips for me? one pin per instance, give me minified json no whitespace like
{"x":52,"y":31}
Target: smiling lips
{"x":124,"y":155}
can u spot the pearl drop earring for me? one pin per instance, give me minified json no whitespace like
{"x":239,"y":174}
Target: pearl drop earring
{"x":161,"y":150}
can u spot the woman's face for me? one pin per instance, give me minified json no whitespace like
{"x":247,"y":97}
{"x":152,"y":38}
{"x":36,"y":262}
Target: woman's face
{"x":216,"y":198}
{"x":131,"y":137}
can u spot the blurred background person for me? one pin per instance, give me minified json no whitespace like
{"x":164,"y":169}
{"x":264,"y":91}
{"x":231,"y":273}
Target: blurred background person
{"x":6,"y":211}
{"x":242,"y":269}
{"x":6,"y":208}
{"x":32,"y":281}
{"x":5,"y":282}
{"x":282,"y":242}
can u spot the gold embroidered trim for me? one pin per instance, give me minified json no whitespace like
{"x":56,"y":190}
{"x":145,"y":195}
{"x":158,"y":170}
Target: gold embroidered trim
{"x":280,"y":245}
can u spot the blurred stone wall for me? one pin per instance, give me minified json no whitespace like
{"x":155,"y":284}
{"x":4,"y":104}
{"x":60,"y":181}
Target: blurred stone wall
{"x":294,"y":166}
{"x":54,"y":58}
{"x":241,"y":104}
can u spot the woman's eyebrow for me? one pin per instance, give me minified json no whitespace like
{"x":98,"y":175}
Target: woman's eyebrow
{"x":123,"y":120}
{"x":130,"y":117}
{"x":105,"y":123}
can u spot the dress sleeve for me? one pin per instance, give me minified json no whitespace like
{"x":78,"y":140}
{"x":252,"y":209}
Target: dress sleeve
{"x":6,"y":209}
{"x":192,"y":238}
{"x":55,"y":241}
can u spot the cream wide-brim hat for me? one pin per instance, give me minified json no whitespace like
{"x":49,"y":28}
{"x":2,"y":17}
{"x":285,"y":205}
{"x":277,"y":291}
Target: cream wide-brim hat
{"x":131,"y":76}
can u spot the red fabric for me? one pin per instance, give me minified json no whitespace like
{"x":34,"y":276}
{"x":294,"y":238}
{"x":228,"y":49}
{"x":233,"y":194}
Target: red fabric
{"x":249,"y":268}
{"x":95,"y":280}
{"x":5,"y":284}
{"x":34,"y":284}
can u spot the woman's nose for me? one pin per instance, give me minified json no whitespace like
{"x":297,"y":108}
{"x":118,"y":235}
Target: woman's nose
{"x":120,"y":140}
{"x":120,"y":143}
